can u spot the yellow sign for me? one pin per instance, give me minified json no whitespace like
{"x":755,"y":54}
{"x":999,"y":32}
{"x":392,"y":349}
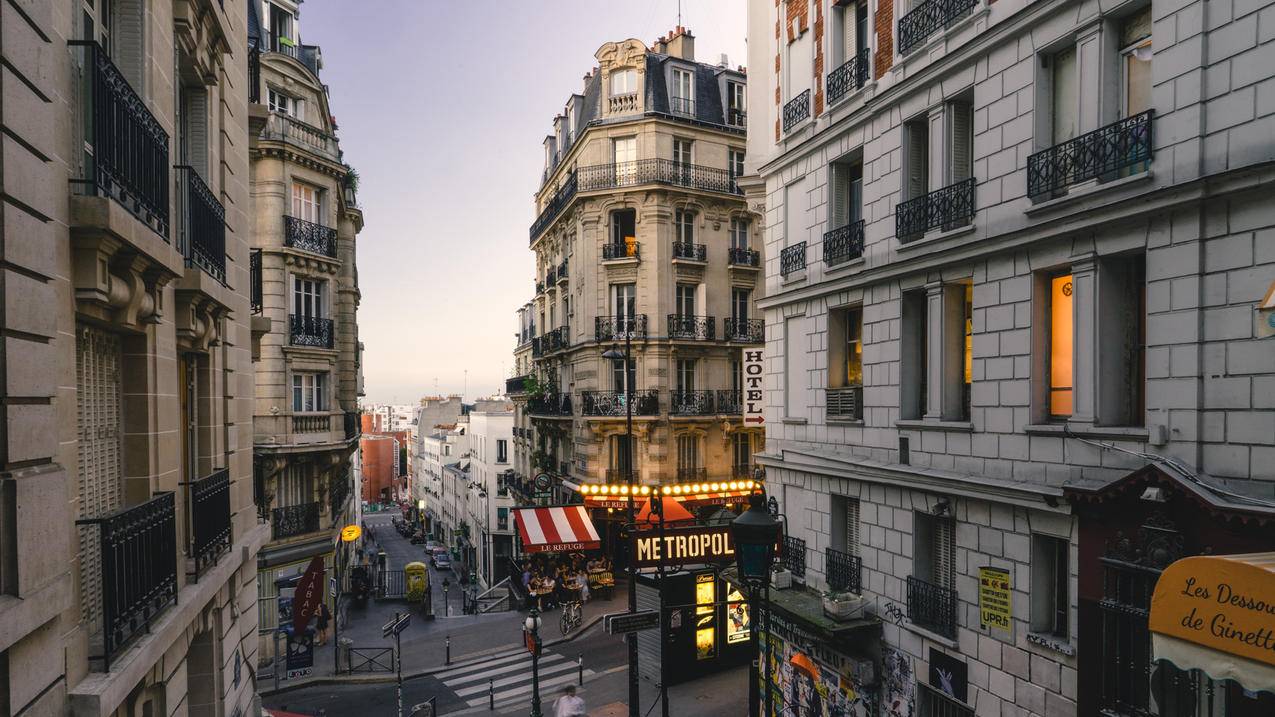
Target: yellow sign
{"x":994,"y":602}
{"x":1226,"y":602}
{"x":351,"y":533}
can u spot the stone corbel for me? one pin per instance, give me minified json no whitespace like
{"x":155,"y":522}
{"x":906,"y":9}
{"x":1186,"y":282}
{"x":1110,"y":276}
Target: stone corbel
{"x":117,"y":285}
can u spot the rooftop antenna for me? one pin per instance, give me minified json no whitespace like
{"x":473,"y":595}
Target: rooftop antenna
{"x":679,"y":13}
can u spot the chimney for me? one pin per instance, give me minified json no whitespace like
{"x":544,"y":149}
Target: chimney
{"x":681,"y":43}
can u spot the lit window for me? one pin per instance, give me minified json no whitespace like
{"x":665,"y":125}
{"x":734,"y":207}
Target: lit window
{"x":1060,"y":346}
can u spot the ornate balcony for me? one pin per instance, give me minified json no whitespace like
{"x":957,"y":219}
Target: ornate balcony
{"x":136,"y":576}
{"x":745,"y":331}
{"x":689,"y":250}
{"x":550,"y":404}
{"x":308,"y":236}
{"x":310,"y":331}
{"x":843,"y":244}
{"x":932,"y":607}
{"x":555,"y":206}
{"x":614,"y":328}
{"x":290,"y":130}
{"x":562,"y":272}
{"x":844,"y":571}
{"x":743,"y":257}
{"x":845,"y":404}
{"x":310,"y":423}
{"x":852,"y":75}
{"x":254,"y":281}
{"x":729,"y":401}
{"x":682,"y":106}
{"x":622,"y":104}
{"x":201,"y":235}
{"x":796,"y":110}
{"x":295,"y":520}
{"x":692,"y":328}
{"x":210,"y":519}
{"x":558,"y":339}
{"x":736,"y":118}
{"x":792,"y":259}
{"x":254,"y":71}
{"x":692,"y":473}
{"x":353,"y":425}
{"x":690,"y":403}
{"x":794,"y":556}
{"x":946,"y":208}
{"x":612,"y":403}
{"x":339,"y":494}
{"x":656,"y":171}
{"x":612,"y":251}
{"x":516,"y":386}
{"x":1101,"y":154}
{"x":928,"y":18}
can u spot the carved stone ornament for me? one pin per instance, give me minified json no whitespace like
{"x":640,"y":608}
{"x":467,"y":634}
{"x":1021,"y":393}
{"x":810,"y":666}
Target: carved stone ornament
{"x":115,"y":283}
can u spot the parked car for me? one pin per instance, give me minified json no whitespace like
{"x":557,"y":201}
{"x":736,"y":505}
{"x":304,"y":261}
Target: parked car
{"x":442,"y":558}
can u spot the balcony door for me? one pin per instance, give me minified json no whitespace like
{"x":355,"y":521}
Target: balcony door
{"x":688,"y":458}
{"x":188,"y":404}
{"x":683,"y":158}
{"x":305,"y":202}
{"x":307,"y":297}
{"x":684,"y":300}
{"x":739,"y":301}
{"x":742,"y":454}
{"x":623,"y":303}
{"x":683,"y":92}
{"x":685,"y":375}
{"x":625,"y":158}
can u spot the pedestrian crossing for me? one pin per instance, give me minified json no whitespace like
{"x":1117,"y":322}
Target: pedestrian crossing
{"x":509,"y":678}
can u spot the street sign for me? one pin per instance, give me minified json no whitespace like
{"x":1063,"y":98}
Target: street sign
{"x":351,"y":533}
{"x":754,"y":370}
{"x":397,"y":625}
{"x":625,"y":622}
{"x":700,"y":544}
{"x":308,"y":595}
{"x":543,"y":482}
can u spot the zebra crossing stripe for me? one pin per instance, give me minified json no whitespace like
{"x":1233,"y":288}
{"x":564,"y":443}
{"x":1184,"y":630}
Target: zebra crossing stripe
{"x":492,"y":672}
{"x":520,"y":694}
{"x":522,"y":676}
{"x":485,"y":664}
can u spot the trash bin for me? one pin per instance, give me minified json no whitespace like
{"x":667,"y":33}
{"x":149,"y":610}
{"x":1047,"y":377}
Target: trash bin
{"x":417,"y":577}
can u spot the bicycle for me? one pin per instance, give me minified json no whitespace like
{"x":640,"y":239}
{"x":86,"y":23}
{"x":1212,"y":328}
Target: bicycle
{"x":572,"y":616}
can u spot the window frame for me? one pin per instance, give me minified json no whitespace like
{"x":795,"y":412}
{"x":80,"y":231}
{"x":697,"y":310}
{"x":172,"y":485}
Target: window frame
{"x":1050,"y":561}
{"x":300,"y":202}
{"x":311,"y":385}
{"x":630,"y":74}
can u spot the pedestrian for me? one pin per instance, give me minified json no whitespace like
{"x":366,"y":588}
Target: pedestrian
{"x":569,"y":705}
{"x":324,"y":617}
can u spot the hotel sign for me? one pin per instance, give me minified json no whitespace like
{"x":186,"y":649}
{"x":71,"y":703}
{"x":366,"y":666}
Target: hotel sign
{"x":753,"y":400}
{"x":682,"y":546}
{"x":1226,"y":603}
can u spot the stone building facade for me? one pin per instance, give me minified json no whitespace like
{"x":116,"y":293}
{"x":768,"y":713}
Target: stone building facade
{"x":489,"y":500}
{"x":127,"y":361}
{"x":642,"y":231}
{"x":304,"y":328}
{"x":1013,"y":255}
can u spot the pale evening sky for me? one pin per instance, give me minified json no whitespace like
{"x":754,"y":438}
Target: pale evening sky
{"x":442,"y":108}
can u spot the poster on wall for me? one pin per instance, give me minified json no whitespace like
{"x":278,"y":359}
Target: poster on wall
{"x":993,"y":598}
{"x":813,"y":682}
{"x":738,"y":619}
{"x":948,"y":675}
{"x":705,"y":616}
{"x":899,"y":690}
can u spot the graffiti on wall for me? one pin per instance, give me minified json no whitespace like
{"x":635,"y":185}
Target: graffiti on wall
{"x":898,"y":693}
{"x":810,"y":685}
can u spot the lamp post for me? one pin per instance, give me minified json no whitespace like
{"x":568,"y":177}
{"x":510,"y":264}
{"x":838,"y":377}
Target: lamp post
{"x":532,"y":626}
{"x":754,"y":533}
{"x":625,"y":323}
{"x":447,"y":607}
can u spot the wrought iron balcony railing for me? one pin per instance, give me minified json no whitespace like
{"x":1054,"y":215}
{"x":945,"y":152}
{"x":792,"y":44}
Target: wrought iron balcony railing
{"x":946,"y":208}
{"x":550,"y":404}
{"x":201,"y":234}
{"x":126,"y":147}
{"x":692,"y":473}
{"x":540,"y":287}
{"x":690,"y":250}
{"x":928,"y":18}
{"x":612,"y":403}
{"x":254,"y":281}
{"x":843,"y":570}
{"x":614,"y":328}
{"x":137,"y":560}
{"x":295,"y":520}
{"x":846,"y":403}
{"x":254,"y":71}
{"x":690,"y":403}
{"x":745,"y":331}
{"x":852,"y":75}
{"x":309,"y":236}
{"x":209,"y":504}
{"x":339,"y":494}
{"x":742,"y":471}
{"x":353,"y":425}
{"x":611,"y":250}
{"x":932,"y":607}
{"x":796,"y":110}
{"x":729,"y":401}
{"x":692,"y":328}
{"x":562,"y":271}
{"x":792,"y":259}
{"x":682,"y":106}
{"x":743,"y":257}
{"x":555,"y":206}
{"x":736,"y":117}
{"x":551,"y":276}
{"x":843,"y":244}
{"x":558,"y":339}
{"x":1101,"y":154}
{"x":620,"y":475}
{"x":310,"y":331}
{"x":516,"y":386}
{"x":655,"y":171}
{"x":794,"y":556}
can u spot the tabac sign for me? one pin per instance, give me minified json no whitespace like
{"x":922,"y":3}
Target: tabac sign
{"x":683,"y":546}
{"x":754,"y":393}
{"x":1224,"y":602}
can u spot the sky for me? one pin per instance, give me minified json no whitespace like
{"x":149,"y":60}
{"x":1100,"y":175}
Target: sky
{"x":442,"y":107}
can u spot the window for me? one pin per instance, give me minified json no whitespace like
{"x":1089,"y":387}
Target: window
{"x":297,"y":485}
{"x":683,"y":92}
{"x":738,"y":233}
{"x":192,"y":127}
{"x":740,"y":299}
{"x":307,"y":297}
{"x":847,"y":193}
{"x":1050,"y":579}
{"x":1135,"y":57}
{"x":735,"y":163}
{"x":796,"y":367}
{"x":845,"y":347}
{"x":684,"y":299}
{"x":618,"y":382}
{"x":912,"y":389}
{"x":934,"y":549}
{"x":1122,"y":327}
{"x":742,"y":452}
{"x":624,"y":154}
{"x":624,"y":231}
{"x":850,"y":31}
{"x":736,"y":103}
{"x":683,"y":160}
{"x":502,"y":519}
{"x":684,"y":226}
{"x":959,"y":121}
{"x":967,"y":351}
{"x":283,"y":104}
{"x":916,"y":157}
{"x":623,"y":82}
{"x":845,"y":524}
{"x":621,"y":452}
{"x":688,"y":454}
{"x":796,"y":213}
{"x":502,"y":450}
{"x":309,"y":392}
{"x":1060,"y":339}
{"x":305,"y":202}
{"x":623,"y":300}
{"x":1064,"y":115}
{"x":685,"y":375}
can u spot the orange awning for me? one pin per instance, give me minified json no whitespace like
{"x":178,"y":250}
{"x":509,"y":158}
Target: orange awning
{"x":673,"y":512}
{"x":801,"y":662}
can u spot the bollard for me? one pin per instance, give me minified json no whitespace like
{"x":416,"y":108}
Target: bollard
{"x":491,"y":695}
{"x":448,"y":661}
{"x":580,"y":663}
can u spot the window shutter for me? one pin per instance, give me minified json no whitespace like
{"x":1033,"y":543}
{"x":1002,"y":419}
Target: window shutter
{"x":852,"y":526}
{"x":1066,"y":111}
{"x":917,"y":161}
{"x":840,"y":194}
{"x":944,"y":553}
{"x":961,"y":140}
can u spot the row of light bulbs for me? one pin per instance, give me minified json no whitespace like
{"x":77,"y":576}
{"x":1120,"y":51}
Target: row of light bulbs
{"x":679,"y":489}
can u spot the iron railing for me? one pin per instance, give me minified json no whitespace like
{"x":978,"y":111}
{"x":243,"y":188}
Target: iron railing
{"x":550,"y":404}
{"x":690,"y":250}
{"x":843,"y":243}
{"x":353,"y":424}
{"x":928,"y":18}
{"x":612,"y":403}
{"x":792,"y":259}
{"x":612,"y":250}
{"x":743,"y":257}
{"x":562,"y":271}
{"x":309,"y":236}
{"x":693,"y":328}
{"x":736,"y":117}
{"x":540,"y":287}
{"x":201,"y":234}
{"x":742,"y":471}
{"x":1100,"y":154}
{"x":614,"y":328}
{"x":690,"y":403}
{"x":125,"y":146}
{"x":620,"y":475}
{"x":682,"y":106}
{"x":138,"y":555}
{"x":338,"y":494}
{"x":310,"y":331}
{"x":210,"y":519}
{"x":796,"y":110}
{"x":936,"y":703}
{"x":295,"y":520}
{"x":254,"y":281}
{"x":551,"y":276}
{"x":845,"y":403}
{"x":558,"y":339}
{"x":656,"y":171}
{"x":391,"y":584}
{"x":745,"y":331}
{"x":692,"y":473}
{"x":794,"y":556}
{"x":729,"y":401}
{"x":932,"y":607}
{"x":254,"y":71}
{"x":946,"y":208}
{"x":555,"y":206}
{"x":843,"y":570}
{"x":851,"y":75}
{"x":516,"y":386}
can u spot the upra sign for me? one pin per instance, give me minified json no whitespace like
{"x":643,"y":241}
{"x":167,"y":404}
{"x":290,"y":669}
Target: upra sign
{"x":683,"y":546}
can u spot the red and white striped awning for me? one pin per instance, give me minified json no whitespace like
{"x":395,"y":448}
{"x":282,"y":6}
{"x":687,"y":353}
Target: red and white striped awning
{"x":562,"y":529}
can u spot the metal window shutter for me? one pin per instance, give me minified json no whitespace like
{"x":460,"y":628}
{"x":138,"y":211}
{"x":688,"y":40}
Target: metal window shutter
{"x":1066,"y":100}
{"x":960,"y":140}
{"x":840,"y":195}
{"x":852,"y":526}
{"x":917,"y":158}
{"x":99,"y":453}
{"x":649,"y":647}
{"x":944,"y":552}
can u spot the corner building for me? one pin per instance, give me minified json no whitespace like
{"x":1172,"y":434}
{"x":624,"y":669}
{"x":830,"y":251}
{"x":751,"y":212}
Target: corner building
{"x":1013,"y":256}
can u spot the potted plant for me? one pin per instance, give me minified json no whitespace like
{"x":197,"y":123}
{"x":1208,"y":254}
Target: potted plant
{"x":780,"y":577}
{"x":842,"y":605}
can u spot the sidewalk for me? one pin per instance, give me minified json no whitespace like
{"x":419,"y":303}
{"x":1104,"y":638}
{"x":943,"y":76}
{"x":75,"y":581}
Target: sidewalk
{"x":724,"y":694}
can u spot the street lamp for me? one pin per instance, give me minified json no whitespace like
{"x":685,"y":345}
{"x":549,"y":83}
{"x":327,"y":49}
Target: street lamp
{"x":447,"y":607}
{"x":532,"y":626}
{"x":755,"y":533}
{"x":625,"y":323}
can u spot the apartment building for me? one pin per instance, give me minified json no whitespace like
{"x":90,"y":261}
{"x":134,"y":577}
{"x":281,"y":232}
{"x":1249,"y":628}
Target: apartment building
{"x":306,"y":294}
{"x":643,"y":239}
{"x":491,"y":533}
{"x":126,"y":362}
{"x":446,"y":445}
{"x":1013,"y":256}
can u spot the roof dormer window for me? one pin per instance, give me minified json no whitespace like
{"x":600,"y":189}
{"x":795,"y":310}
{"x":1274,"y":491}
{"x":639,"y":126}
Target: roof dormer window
{"x":682,"y":93}
{"x":623,"y":82}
